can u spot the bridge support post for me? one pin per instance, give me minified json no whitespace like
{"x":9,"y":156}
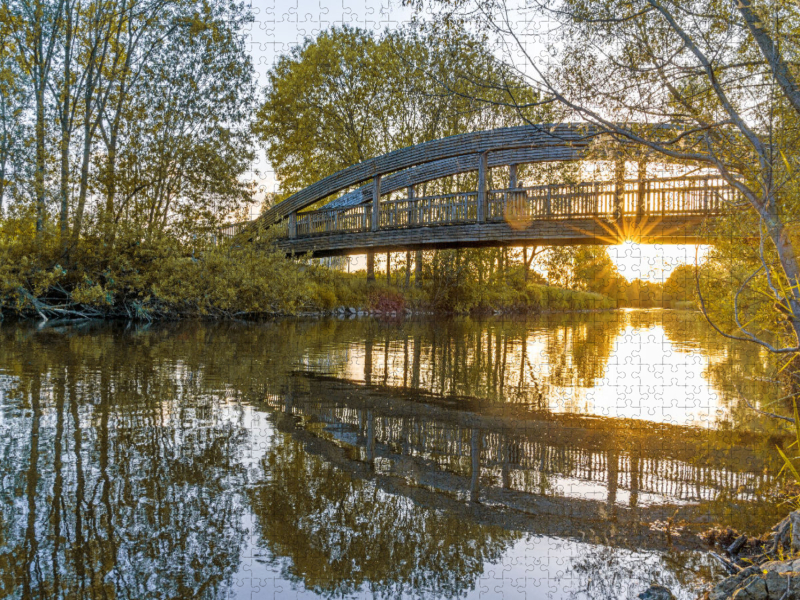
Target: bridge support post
{"x":370,"y":438}
{"x":376,"y":203}
{"x":412,"y":207}
{"x":293,"y":225}
{"x":634,"y":498}
{"x":619,"y":188}
{"x":368,"y":361}
{"x":612,"y":471}
{"x":370,"y":265}
{"x":641,"y":193}
{"x":483,"y":166}
{"x":418,"y":269}
{"x":512,"y":177}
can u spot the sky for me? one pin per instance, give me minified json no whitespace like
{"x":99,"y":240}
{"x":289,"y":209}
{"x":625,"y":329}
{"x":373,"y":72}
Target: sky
{"x":281,"y":24}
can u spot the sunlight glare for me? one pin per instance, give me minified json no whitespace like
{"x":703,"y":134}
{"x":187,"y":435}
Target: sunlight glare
{"x":653,"y":262}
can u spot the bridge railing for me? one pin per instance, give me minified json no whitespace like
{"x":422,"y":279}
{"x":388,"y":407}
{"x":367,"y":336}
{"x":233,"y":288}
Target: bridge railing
{"x":430,"y":210}
{"x":232,"y":229}
{"x":565,"y":201}
{"x":679,"y":196}
{"x":684,"y":196}
{"x":532,"y":462}
{"x":357,"y":218}
{"x":690,"y":196}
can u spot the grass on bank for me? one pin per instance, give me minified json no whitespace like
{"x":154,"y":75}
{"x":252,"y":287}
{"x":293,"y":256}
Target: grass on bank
{"x":331,"y":289}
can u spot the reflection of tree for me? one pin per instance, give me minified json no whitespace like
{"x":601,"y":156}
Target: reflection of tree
{"x":119,"y":459}
{"x":340,"y":533}
{"x":498,"y":361}
{"x":734,"y":368}
{"x":600,"y":572}
{"x":103,"y":493}
{"x":578,"y":349}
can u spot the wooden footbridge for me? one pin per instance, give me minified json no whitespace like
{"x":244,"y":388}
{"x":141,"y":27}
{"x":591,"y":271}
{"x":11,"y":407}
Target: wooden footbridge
{"x":387,"y":214}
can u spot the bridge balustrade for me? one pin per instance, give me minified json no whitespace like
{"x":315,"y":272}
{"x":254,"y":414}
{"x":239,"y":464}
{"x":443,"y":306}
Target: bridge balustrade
{"x":685,"y":196}
{"x":445,"y":209}
{"x":689,"y":196}
{"x":447,"y":447}
{"x":324,"y":221}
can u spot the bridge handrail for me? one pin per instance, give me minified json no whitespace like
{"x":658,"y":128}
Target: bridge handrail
{"x":672,"y":196}
{"x":697,"y":195}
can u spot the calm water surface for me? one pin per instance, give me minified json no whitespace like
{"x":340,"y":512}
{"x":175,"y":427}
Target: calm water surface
{"x":569,"y":456}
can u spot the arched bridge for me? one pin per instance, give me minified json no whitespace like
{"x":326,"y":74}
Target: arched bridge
{"x":389,"y":214}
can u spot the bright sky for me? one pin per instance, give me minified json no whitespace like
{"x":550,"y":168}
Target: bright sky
{"x":281,"y":24}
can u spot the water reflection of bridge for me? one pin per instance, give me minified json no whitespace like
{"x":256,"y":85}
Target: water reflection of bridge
{"x":578,"y":472}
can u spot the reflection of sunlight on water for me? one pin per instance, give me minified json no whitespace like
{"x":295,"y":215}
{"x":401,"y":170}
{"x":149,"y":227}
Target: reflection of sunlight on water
{"x":648,"y":378}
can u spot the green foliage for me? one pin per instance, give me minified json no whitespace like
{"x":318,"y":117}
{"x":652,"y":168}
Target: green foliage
{"x":145,"y":278}
{"x":680,"y":288}
{"x":349,"y":95}
{"x":161,"y":93}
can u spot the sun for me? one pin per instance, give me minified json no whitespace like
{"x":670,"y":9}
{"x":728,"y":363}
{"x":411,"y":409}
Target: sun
{"x":652,"y":262}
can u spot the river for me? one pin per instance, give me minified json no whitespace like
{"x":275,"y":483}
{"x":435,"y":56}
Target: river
{"x":562,"y":456}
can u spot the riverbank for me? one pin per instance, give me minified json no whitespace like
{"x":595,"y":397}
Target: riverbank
{"x":157,"y":280}
{"x":766,"y":567}
{"x":348,"y":297}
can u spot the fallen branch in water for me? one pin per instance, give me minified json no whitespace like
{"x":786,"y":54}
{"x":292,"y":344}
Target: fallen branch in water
{"x":729,"y":566}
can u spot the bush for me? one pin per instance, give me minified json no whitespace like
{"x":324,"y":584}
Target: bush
{"x":143,"y":277}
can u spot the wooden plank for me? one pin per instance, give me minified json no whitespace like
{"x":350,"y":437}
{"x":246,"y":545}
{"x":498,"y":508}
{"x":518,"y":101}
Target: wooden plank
{"x":680,"y":229}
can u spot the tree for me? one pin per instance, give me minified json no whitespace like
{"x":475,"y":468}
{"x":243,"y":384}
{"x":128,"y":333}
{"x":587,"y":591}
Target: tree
{"x":680,"y":285}
{"x":14,"y":131}
{"x":37,"y":27}
{"x":349,"y":95}
{"x":596,"y":272}
{"x":166,"y":85}
{"x":176,"y":125}
{"x":708,"y":85}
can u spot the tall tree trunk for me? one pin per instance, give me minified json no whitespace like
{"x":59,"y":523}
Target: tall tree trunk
{"x":779,"y":235}
{"x":89,"y":128}
{"x":2,"y":181}
{"x":525,"y":264}
{"x":66,"y":131}
{"x":408,"y":269}
{"x":40,"y":159}
{"x":84,"y":183}
{"x":418,"y":269}
{"x":528,"y":260}
{"x":111,"y":191}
